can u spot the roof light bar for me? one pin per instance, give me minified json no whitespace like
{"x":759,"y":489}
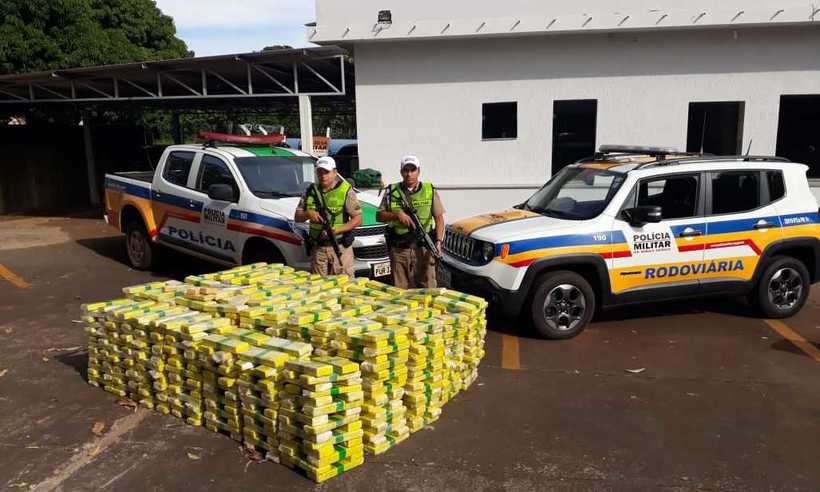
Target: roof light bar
{"x":637,"y":149}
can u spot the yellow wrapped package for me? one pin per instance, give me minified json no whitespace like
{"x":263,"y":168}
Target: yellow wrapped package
{"x":129,"y":311}
{"x":226,"y":343}
{"x":295,"y":349}
{"x":208,"y":325}
{"x":175,"y":323}
{"x":310,"y":368}
{"x":309,"y":317}
{"x":135,"y":289}
{"x":100,"y":306}
{"x":476,"y":301}
{"x":265,"y":357}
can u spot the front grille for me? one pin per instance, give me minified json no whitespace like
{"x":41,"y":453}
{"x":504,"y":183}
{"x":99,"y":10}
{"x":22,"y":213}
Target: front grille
{"x":376,"y":252}
{"x":459,"y":245}
{"x":377,"y":230}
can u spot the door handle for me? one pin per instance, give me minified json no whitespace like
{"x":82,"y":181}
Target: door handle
{"x":762,"y":224}
{"x":689,"y":232}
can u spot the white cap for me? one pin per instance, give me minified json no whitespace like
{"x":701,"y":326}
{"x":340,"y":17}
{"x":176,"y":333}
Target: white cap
{"x":326,"y":163}
{"x":410,"y":160}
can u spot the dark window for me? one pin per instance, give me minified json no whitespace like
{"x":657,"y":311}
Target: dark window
{"x":797,"y":136}
{"x":715,"y":127}
{"x":177,"y":168}
{"x":573,"y":131}
{"x":347,"y":160}
{"x":213,"y":171}
{"x":348,"y":150}
{"x":734,"y":192}
{"x":676,"y":195}
{"x":499,"y":120}
{"x":277,"y":176}
{"x":777,"y":189}
{"x":576,"y":193}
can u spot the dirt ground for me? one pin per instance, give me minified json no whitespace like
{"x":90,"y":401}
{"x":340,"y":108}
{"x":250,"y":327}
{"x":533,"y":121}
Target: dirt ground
{"x":723,"y":401}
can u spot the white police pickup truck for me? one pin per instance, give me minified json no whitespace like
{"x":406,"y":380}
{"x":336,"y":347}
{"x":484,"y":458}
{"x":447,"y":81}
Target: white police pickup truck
{"x":231,"y":205}
{"x":635,"y":225}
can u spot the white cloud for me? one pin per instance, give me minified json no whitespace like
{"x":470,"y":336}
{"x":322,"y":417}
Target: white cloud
{"x":238,"y":13}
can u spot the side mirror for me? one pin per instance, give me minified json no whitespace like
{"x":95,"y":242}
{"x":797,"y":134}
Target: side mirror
{"x":646,"y":214}
{"x":221,"y":192}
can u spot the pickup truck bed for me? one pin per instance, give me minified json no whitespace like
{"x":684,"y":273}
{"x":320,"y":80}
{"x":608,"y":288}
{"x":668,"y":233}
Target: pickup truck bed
{"x":146,"y":176}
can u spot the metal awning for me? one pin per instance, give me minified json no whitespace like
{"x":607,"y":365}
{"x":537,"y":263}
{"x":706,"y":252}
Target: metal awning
{"x":267,"y":74}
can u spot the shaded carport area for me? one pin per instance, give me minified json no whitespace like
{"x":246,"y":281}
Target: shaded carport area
{"x":74,"y":131}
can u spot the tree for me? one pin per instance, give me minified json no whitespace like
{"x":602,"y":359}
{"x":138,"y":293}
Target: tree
{"x":52,"y":34}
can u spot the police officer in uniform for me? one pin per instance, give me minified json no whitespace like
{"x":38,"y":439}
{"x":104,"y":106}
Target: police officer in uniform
{"x":345,"y":215}
{"x":412,"y":264}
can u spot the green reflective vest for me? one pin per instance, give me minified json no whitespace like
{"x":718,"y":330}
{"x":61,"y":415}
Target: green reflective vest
{"x":421,"y":200}
{"x":334,"y":201}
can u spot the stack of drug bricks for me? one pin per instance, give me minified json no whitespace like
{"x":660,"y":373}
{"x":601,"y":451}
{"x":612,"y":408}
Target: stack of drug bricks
{"x":309,"y":370}
{"x":320,"y":431}
{"x":382,"y":349}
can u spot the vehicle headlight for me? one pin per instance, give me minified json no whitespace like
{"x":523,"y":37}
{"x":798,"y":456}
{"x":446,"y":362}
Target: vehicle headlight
{"x":487,"y":251}
{"x":300,"y":228}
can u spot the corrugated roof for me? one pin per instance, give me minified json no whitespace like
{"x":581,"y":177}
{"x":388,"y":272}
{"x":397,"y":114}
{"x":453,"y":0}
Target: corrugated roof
{"x":284,"y":72}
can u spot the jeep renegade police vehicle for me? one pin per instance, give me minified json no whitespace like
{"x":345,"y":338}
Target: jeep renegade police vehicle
{"x":644,"y":224}
{"x":229,"y":204}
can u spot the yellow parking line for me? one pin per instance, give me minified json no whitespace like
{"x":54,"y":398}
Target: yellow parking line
{"x":510,"y":356}
{"x":794,"y":337}
{"x":13,"y":278}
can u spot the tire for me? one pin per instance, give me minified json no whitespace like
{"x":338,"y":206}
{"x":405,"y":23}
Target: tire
{"x":562,"y":306}
{"x":782,"y":289}
{"x":138,"y":246}
{"x":256,"y":253}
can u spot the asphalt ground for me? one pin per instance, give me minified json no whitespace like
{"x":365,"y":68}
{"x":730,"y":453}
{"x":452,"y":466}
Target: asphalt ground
{"x":717,"y":400}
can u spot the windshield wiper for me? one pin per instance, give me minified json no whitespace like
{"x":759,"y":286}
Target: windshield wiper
{"x":274,"y":194}
{"x":551,"y":212}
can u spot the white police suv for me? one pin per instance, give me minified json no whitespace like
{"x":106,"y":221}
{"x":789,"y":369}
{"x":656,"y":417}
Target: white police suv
{"x":639,"y":224}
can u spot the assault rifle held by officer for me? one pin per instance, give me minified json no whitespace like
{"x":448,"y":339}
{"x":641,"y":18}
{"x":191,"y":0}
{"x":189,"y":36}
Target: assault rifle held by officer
{"x":413,"y":262}
{"x":342,"y":214}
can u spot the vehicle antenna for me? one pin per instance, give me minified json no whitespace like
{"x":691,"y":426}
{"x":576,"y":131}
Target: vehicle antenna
{"x":703,"y":131}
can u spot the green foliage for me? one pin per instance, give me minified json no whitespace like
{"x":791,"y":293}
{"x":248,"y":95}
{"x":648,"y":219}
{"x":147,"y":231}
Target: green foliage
{"x":52,"y":34}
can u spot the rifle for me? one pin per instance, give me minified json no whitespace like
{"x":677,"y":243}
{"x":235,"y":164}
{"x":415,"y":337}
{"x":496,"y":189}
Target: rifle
{"x":326,"y":226}
{"x":422,"y":235}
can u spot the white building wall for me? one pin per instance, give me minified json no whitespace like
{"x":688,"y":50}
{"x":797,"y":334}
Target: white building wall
{"x":339,"y":21}
{"x":425,"y":97}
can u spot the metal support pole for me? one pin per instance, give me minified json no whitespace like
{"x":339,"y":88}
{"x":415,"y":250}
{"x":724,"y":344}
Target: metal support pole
{"x":306,"y":124}
{"x":176,"y":128}
{"x":91,"y":167}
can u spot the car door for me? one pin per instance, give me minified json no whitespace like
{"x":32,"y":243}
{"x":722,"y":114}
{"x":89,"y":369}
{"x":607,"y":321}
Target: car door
{"x":176,"y":206}
{"x":663,"y":258}
{"x":741,"y":221}
{"x":214,"y":238}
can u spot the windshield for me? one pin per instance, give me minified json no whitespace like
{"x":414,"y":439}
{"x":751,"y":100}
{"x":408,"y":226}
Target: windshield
{"x":576,"y":193}
{"x":277,"y":176}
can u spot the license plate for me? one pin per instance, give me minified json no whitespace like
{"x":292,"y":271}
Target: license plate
{"x":445,"y":277}
{"x":381,"y":269}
